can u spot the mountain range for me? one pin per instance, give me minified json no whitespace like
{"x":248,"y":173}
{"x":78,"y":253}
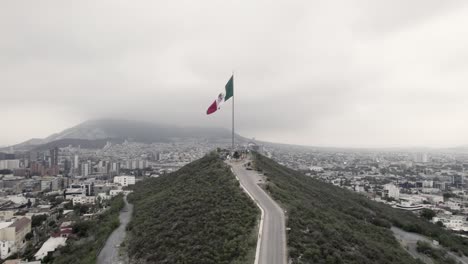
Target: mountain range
{"x":96,"y":133}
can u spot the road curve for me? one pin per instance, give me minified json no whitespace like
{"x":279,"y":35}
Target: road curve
{"x":273,"y":238}
{"x":110,"y":252}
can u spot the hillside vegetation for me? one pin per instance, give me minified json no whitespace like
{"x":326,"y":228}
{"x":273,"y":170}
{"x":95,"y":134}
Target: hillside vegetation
{"x":91,"y":235}
{"x":334,"y":225}
{"x":198,"y":214}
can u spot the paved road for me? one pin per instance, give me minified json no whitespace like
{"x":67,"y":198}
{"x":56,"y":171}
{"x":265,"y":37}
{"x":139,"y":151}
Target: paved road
{"x":110,"y":253}
{"x":273,"y":240}
{"x":410,"y":240}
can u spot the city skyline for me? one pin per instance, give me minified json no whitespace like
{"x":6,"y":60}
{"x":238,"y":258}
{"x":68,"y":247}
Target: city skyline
{"x":339,"y":74}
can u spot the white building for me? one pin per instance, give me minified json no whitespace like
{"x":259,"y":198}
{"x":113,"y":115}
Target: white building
{"x":7,"y":248}
{"x":392,"y":191}
{"x":84,"y":200}
{"x":434,"y":199}
{"x":13,"y":235}
{"x":70,"y":193}
{"x":454,"y":222}
{"x":103,"y":196}
{"x":9,"y":164}
{"x":427,"y":184}
{"x":6,"y":215}
{"x":124,"y":180}
{"x":316,"y":169}
{"x":453,"y":205}
{"x":20,"y":199}
{"x":114,"y":193}
{"x":87,"y":187}
{"x":359,"y":188}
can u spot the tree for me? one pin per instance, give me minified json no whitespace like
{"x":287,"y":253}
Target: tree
{"x":81,"y":208}
{"x":423,"y":247}
{"x":427,"y":214}
{"x":52,"y":223}
{"x":37,"y":220}
{"x":81,"y":228}
{"x":448,"y":196}
{"x":29,"y":236}
{"x":68,"y":206}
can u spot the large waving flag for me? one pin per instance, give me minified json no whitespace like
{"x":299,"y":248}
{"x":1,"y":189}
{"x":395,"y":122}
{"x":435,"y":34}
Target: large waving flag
{"x":229,"y":88}
{"x":216,"y":105}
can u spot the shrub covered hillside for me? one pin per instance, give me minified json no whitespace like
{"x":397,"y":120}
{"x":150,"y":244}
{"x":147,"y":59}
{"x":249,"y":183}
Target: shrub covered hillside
{"x":334,"y":225}
{"x":198,"y":214}
{"x":91,"y":235}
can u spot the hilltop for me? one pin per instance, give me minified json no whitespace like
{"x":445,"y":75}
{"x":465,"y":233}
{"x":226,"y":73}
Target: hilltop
{"x":198,"y":214}
{"x":329,"y":224}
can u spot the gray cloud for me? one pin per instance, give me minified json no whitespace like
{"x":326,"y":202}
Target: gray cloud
{"x":339,"y":73}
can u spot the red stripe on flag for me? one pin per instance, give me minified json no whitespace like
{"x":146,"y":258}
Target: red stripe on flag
{"x":213,"y":107}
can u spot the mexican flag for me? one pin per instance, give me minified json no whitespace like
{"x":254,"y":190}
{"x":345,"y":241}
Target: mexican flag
{"x":222,"y":97}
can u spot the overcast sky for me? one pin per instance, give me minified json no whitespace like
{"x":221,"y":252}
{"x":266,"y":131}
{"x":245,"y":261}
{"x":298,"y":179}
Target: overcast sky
{"x":328,"y":73}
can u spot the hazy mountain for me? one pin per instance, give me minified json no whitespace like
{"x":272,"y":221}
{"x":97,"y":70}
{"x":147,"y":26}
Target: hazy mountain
{"x":83,"y":143}
{"x":29,"y":144}
{"x":95,"y":133}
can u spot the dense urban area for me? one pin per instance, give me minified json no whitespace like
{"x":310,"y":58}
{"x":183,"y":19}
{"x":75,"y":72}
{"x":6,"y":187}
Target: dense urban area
{"x":412,"y":181}
{"x":50,"y":196}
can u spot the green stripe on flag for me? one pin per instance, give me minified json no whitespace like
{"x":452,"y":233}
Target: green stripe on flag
{"x":229,"y":89}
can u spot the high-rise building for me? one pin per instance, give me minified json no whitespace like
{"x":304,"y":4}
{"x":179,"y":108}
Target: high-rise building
{"x":115,"y":168}
{"x":37,"y":168}
{"x":421,"y":158}
{"x":76,"y":162}
{"x":54,"y":153}
{"x":33,"y":156}
{"x":7,"y":156}
{"x":86,"y":168}
{"x":67,"y":166}
{"x":457,"y":180}
{"x":103,"y":167}
{"x":142,"y":164}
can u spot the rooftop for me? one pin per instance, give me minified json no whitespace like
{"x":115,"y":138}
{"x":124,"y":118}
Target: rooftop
{"x":21,"y":223}
{"x":5,"y":224}
{"x":50,"y":245}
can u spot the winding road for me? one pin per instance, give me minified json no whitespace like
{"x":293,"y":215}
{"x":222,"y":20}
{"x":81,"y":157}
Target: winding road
{"x":272,"y":240}
{"x":409,"y":242}
{"x":110,"y":252}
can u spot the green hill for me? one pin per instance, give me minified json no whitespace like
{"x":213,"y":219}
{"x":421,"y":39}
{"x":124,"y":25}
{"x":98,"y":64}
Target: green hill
{"x":334,"y":225}
{"x":198,"y":214}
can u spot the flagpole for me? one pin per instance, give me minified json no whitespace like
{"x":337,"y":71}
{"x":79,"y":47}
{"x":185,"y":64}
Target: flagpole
{"x":233,"y":113}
